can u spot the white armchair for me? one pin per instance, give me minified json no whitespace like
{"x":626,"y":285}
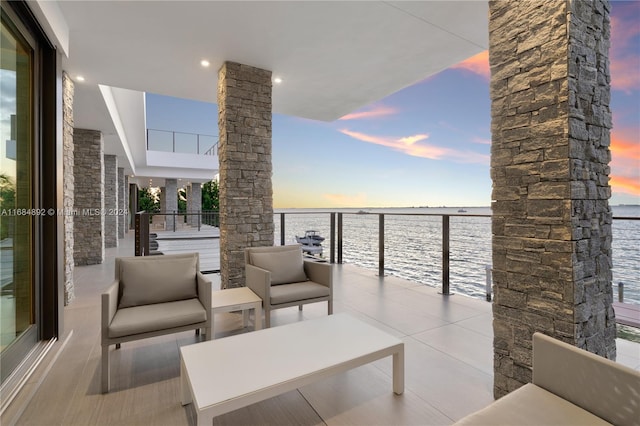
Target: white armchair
{"x":281,"y":278}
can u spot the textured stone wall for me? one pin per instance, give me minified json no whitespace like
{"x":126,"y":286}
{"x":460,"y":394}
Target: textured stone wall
{"x":194,"y":202}
{"x":171,"y":201}
{"x":110,"y":201}
{"x":123,"y":185}
{"x":67,"y":184}
{"x":246,"y":195}
{"x":550,"y":122}
{"x":88,"y":223}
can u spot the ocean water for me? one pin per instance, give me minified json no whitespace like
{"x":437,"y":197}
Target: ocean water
{"x":413,"y":244}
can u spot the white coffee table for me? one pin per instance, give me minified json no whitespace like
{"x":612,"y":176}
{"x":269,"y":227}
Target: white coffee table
{"x":236,"y":299}
{"x":219,"y":376}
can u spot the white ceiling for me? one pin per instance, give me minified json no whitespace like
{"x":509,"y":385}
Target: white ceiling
{"x":333,"y":56}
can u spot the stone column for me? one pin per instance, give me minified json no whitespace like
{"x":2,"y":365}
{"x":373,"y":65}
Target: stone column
{"x":171,"y":201}
{"x":88,"y":171}
{"x":550,"y":121}
{"x":187,"y":196}
{"x":67,"y":184}
{"x":133,"y":204}
{"x":122,"y":205}
{"x":246,"y":196}
{"x":194,"y":202}
{"x":110,"y":201}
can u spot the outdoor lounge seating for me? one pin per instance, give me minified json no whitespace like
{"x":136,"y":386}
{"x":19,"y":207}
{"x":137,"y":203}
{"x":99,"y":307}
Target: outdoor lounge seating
{"x":152,"y":296}
{"x":281,"y":278}
{"x":570,"y":386}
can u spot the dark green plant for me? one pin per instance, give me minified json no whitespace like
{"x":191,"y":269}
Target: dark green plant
{"x":148,"y":201}
{"x":210,"y":200}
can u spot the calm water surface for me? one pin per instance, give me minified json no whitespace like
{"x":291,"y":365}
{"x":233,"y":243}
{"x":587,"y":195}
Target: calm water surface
{"x":413,"y":244}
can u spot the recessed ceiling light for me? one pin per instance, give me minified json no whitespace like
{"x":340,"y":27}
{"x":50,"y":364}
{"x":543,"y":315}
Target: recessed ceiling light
{"x":79,"y":78}
{"x":277,"y":80}
{"x":204,"y":63}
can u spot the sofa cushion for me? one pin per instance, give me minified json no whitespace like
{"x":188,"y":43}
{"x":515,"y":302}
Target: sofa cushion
{"x":160,"y":316}
{"x":286,"y":266}
{"x":531,"y":405}
{"x":157,"y":280}
{"x":297,"y":292}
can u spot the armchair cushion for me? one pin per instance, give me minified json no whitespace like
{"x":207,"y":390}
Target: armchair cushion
{"x":285,"y":265}
{"x":142,"y":319}
{"x":298,"y":291}
{"x":167,"y":281}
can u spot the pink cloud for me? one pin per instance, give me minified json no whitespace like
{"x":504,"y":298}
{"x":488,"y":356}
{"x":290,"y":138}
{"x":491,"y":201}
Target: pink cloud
{"x":477,"y":64}
{"x":411,"y":145}
{"x":624,"y":54}
{"x":378,"y":111}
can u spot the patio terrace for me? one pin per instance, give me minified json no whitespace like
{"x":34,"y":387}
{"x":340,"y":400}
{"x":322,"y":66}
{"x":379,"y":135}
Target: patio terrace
{"x":449,"y":370}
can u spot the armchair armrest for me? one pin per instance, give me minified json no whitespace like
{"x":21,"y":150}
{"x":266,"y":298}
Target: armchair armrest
{"x":204,"y":291}
{"x":320,"y":273}
{"x":109,"y":308}
{"x":259,"y":281}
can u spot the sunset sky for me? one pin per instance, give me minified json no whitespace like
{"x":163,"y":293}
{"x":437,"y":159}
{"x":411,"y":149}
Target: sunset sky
{"x":428,"y":144}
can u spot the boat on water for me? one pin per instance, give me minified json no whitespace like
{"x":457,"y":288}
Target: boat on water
{"x":462,"y":211}
{"x":311,"y":237}
{"x":311,"y":242}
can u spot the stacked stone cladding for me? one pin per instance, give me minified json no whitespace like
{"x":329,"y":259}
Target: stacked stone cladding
{"x":110,"y":201}
{"x":89,"y":197}
{"x":246,"y":194}
{"x":194,"y":203}
{"x":171,"y":202}
{"x":123,"y":185}
{"x":549,"y":165}
{"x":68,"y":185}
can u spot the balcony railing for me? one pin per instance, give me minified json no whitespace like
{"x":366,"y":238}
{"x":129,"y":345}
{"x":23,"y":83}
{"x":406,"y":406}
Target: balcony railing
{"x":423,"y":244}
{"x":180,"y":142}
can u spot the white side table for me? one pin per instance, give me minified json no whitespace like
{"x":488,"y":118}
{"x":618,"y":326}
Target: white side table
{"x":236,"y":299}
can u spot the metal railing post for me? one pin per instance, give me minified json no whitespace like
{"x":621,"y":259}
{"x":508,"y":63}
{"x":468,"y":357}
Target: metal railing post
{"x":339,"y":237}
{"x":445,"y":255}
{"x":621,"y":292}
{"x":175,"y":219}
{"x":488,"y":283}
{"x":332,"y":252}
{"x":199,"y":219}
{"x":281,"y":229}
{"x":381,"y":244}
{"x":173,"y":135}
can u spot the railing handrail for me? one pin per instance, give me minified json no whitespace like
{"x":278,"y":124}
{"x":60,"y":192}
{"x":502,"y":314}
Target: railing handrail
{"x":209,"y":151}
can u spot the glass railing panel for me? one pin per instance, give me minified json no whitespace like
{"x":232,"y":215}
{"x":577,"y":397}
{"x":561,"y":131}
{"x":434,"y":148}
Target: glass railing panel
{"x":159,"y":140}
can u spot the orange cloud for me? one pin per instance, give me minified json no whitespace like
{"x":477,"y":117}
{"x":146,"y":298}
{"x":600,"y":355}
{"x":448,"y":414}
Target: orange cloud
{"x":625,"y":58}
{"x":625,"y":184}
{"x":625,"y":161}
{"x":477,"y":64}
{"x":409,"y":145}
{"x":379,"y":111}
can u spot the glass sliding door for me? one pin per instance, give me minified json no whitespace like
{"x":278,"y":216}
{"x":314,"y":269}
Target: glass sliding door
{"x":18,"y":332}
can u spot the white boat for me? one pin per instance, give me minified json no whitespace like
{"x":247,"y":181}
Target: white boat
{"x":311,"y":238}
{"x":311,"y":243}
{"x":462,"y":211}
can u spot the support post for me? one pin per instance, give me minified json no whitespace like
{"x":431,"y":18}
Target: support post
{"x":445,"y":255}
{"x":381,"y":244}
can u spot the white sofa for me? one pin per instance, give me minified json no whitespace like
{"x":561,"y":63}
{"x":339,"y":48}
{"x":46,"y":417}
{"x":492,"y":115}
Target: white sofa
{"x":570,"y":387}
{"x":152,"y":296}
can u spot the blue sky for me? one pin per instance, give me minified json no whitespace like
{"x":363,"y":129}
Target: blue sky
{"x":427,"y":144}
